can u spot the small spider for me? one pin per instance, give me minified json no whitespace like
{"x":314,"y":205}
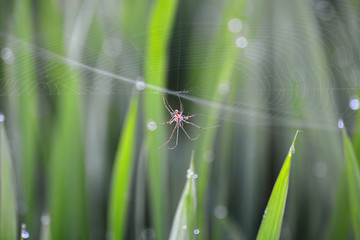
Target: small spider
{"x":178,"y":117}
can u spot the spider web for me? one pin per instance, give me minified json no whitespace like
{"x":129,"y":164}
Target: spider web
{"x":298,"y":68}
{"x":296,"y":65}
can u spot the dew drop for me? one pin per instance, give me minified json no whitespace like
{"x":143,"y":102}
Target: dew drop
{"x":45,"y":219}
{"x":195,"y":176}
{"x":209,"y":156}
{"x":188,"y":176}
{"x":292,"y":149}
{"x":140,"y":84}
{"x":2,"y":118}
{"x":340,"y":124}
{"x":196,"y":231}
{"x":24,"y":234}
{"x":220,"y":211}
{"x":7,"y":55}
{"x":241,"y":42}
{"x":184,"y":227}
{"x":151,"y":125}
{"x":224,"y":88}
{"x":235,"y":25}
{"x":354,"y":104}
{"x":189,"y":171}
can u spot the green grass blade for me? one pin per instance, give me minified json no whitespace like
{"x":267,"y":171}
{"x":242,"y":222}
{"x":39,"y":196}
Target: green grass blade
{"x":214,"y":77}
{"x":356,"y":137}
{"x":66,"y":187}
{"x":184,"y":221}
{"x":67,"y":172}
{"x":340,"y":229}
{"x":24,"y":108}
{"x":45,"y":227}
{"x":231,"y":229}
{"x":122,"y":174}
{"x":8,"y":217}
{"x":353,"y":180}
{"x":271,"y":224}
{"x":160,"y":26}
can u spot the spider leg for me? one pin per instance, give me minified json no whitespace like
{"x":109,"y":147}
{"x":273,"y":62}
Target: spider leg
{"x":169,"y":122}
{"x":168,"y":105}
{"x":167,"y":108}
{"x":199,"y":126}
{"x":181,"y":105}
{"x":177,"y":137}
{"x":190,"y":116}
{"x":188,"y":134}
{"x":169,"y":138}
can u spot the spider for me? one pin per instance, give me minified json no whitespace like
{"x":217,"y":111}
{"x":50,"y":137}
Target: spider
{"x":178,"y":117}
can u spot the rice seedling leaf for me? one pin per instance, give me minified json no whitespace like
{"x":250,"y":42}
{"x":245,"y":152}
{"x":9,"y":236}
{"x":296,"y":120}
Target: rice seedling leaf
{"x":162,"y":15}
{"x":271,"y":223}
{"x":121,"y":176}
{"x":214,"y":78}
{"x":67,"y":197}
{"x":8,"y":216}
{"x":23,"y":109}
{"x":353,"y":181}
{"x":340,"y":229}
{"x":184,"y":221}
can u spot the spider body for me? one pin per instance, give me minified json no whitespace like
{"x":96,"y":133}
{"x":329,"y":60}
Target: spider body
{"x":178,"y":117}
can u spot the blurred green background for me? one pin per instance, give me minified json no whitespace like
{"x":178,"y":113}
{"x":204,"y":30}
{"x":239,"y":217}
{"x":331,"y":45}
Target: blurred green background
{"x":81,"y":86}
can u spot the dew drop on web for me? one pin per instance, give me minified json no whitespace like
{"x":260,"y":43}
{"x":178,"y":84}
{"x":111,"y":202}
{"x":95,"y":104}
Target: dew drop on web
{"x":140,"y":84}
{"x":24,"y":233}
{"x":220,"y":211}
{"x":235,"y":25}
{"x":7,"y":55}
{"x":340,"y":124}
{"x":241,"y":42}
{"x":224,"y":88}
{"x":354,"y":103}
{"x":151,"y":125}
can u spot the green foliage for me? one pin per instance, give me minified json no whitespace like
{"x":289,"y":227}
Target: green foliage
{"x":272,"y":220}
{"x":161,"y":18}
{"x":340,"y":229}
{"x":183,"y":225}
{"x":353,"y":181}
{"x":81,"y":86}
{"x":25,"y":108}
{"x":120,"y":189}
{"x":67,"y":173}
{"x":8,"y":216}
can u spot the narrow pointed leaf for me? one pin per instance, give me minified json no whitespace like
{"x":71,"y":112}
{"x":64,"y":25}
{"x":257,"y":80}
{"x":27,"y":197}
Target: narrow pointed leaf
{"x":271,"y":224}
{"x":23,"y":108}
{"x":161,"y":19}
{"x":122,"y":174}
{"x":353,"y":180}
{"x":341,"y":210}
{"x":7,"y":190}
{"x":184,"y":221}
